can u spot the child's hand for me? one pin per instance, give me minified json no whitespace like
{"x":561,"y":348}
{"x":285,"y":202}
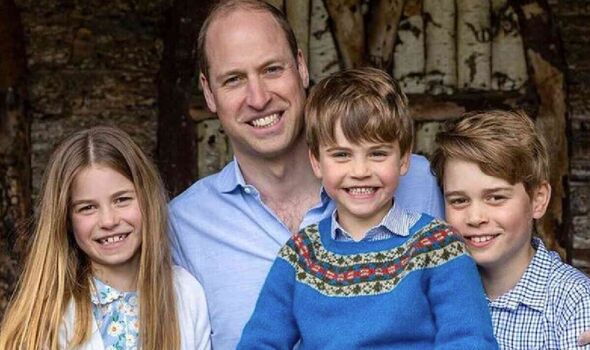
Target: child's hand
{"x":584,"y":338}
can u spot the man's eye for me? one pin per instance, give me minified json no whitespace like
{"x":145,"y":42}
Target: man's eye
{"x":274,"y":69}
{"x":232,"y":81}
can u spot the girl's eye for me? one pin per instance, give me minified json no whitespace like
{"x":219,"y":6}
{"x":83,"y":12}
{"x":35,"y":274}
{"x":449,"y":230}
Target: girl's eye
{"x":85,"y":208}
{"x":123,"y":200}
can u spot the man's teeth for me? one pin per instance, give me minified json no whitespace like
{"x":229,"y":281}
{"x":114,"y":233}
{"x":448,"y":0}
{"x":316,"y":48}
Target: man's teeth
{"x":267,"y":121}
{"x":481,"y":239}
{"x":361,"y":190}
{"x":112,"y":239}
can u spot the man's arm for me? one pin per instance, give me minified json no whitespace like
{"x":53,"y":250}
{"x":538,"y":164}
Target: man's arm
{"x":418,"y":190}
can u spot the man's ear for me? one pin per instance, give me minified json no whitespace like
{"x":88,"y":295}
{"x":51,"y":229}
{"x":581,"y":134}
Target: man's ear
{"x":302,"y":68}
{"x":315,"y":165}
{"x":208,"y":93}
{"x":540,"y":198}
{"x":405,"y":163}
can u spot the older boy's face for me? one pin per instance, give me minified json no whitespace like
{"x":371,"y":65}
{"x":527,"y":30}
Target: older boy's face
{"x":361,"y":178}
{"x":494,"y":217}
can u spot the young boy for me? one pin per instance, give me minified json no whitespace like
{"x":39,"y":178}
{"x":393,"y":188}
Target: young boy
{"x":493,"y":168}
{"x":372,"y":276}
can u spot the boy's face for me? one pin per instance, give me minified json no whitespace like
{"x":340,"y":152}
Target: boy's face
{"x":494,"y":217}
{"x":361,"y":178}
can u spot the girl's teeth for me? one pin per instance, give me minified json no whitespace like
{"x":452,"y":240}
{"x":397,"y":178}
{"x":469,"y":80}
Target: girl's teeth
{"x":267,"y":121}
{"x":361,"y":190}
{"x":112,"y":239}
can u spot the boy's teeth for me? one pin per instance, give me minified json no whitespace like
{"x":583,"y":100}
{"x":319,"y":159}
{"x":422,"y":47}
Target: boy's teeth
{"x":481,"y":239}
{"x":267,"y":121}
{"x":361,"y":190}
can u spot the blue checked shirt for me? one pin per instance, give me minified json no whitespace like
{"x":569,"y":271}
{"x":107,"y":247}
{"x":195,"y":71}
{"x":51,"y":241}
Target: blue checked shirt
{"x":548,"y":308}
{"x":397,"y":221}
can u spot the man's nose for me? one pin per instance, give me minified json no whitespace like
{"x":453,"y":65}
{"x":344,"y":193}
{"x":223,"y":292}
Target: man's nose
{"x":258,"y":94}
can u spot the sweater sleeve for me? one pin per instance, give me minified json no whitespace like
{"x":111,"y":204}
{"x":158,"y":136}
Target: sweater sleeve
{"x":460,"y":310}
{"x":272,"y":324}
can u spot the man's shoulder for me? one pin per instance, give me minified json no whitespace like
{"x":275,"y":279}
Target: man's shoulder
{"x":203,"y":190}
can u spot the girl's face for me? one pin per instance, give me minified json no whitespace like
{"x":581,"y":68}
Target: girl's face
{"x":106,"y":221}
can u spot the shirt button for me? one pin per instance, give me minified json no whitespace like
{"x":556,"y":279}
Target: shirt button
{"x":248,"y":190}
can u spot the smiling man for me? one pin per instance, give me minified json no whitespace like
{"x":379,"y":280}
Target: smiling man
{"x":227,"y":228}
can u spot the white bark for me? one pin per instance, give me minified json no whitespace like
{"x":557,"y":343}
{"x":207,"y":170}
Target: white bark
{"x":509,"y":71}
{"x":474,"y":49}
{"x":409,"y":54}
{"x":323,"y":57}
{"x":441,"y":66}
{"x":425,"y":136}
{"x":298,"y":12}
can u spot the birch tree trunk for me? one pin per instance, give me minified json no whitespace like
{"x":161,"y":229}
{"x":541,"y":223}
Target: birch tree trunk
{"x":441,"y":63}
{"x":508,"y":59}
{"x":546,"y":67}
{"x":15,"y":149}
{"x":474,"y":44}
{"x":349,"y":30}
{"x":409,"y":54}
{"x":323,"y":57}
{"x":298,"y":12}
{"x":382,"y":31}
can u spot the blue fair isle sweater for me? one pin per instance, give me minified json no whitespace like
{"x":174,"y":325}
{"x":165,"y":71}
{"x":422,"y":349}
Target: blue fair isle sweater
{"x":422,"y":292}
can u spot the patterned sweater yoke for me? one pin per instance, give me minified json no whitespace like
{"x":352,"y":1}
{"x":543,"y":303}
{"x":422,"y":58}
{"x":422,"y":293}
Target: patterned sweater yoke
{"x":370,"y":272}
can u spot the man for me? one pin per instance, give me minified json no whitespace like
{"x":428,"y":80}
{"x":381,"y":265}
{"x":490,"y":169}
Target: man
{"x":227,"y":228}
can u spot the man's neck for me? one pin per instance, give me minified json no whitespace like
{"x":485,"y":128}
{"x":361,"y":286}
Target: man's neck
{"x":501,"y":279}
{"x":286,"y":184}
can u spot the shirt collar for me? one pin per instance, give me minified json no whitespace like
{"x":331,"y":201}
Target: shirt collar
{"x":530,"y":289}
{"x":103,"y":294}
{"x":397,"y":221}
{"x":230,"y":177}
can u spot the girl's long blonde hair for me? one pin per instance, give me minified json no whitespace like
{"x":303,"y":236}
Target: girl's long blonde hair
{"x":57,"y":272}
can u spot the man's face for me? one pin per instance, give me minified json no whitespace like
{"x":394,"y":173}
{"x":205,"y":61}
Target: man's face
{"x":255,"y":85}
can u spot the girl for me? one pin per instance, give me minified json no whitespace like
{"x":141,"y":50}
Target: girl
{"x":98,"y":274}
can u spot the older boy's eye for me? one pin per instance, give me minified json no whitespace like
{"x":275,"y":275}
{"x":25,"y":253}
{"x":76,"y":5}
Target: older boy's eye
{"x":496,"y":198}
{"x":457,"y":201}
{"x":340,"y":155}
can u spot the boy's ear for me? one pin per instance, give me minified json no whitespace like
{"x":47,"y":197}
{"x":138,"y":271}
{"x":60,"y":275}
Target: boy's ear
{"x":315,"y":165}
{"x":540,"y":198}
{"x":405,"y":163}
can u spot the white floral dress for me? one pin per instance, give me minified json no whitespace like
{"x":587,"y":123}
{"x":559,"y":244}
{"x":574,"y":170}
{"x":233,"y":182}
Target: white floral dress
{"x":117,"y":316}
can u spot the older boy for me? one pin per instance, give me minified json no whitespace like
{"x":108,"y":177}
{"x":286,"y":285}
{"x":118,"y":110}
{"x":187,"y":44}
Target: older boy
{"x":372,"y":275}
{"x":494,"y":170}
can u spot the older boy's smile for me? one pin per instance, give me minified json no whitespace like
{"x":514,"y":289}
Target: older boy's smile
{"x":479,"y":241}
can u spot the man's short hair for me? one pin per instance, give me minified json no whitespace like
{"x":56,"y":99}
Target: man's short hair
{"x":504,"y":144}
{"x":367,"y":102}
{"x":225,"y":7}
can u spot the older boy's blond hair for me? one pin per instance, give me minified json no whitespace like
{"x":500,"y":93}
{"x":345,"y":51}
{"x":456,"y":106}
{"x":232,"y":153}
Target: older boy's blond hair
{"x":368,"y":104}
{"x":504,"y":144}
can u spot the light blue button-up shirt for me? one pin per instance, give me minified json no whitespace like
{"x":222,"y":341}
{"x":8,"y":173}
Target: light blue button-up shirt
{"x":228,"y":238}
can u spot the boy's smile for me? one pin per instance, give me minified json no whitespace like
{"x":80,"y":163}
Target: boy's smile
{"x":494,"y":217}
{"x":361,"y":178}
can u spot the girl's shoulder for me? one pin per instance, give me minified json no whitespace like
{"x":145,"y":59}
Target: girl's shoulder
{"x":186,"y":286}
